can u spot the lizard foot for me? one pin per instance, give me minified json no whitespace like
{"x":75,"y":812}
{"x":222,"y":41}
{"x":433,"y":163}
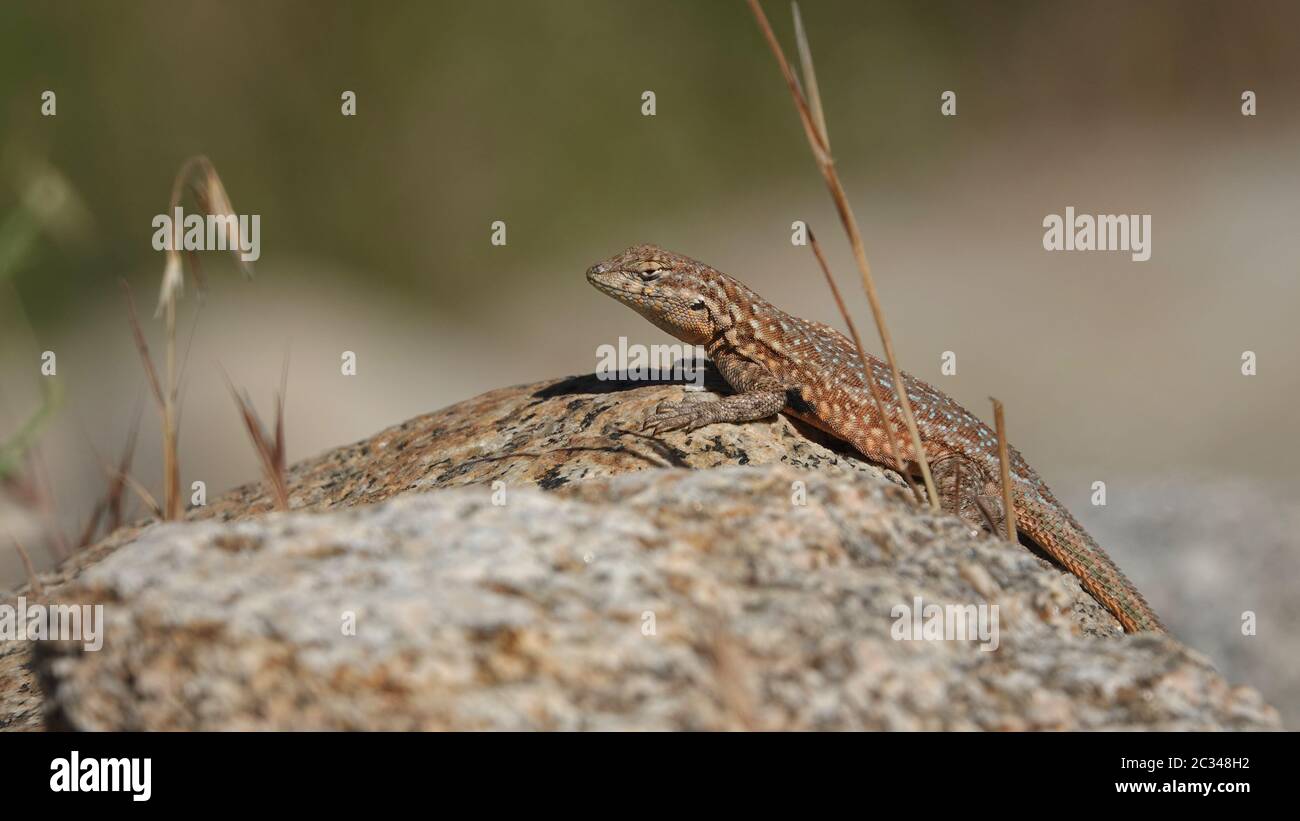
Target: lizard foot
{"x":687,"y":415}
{"x":967,"y":491}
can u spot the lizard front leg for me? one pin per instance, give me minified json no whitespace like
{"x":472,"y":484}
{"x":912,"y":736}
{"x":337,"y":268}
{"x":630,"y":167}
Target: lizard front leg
{"x":758,"y":396}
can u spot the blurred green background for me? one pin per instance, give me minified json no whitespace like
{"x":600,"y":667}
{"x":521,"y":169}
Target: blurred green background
{"x":375,"y":231}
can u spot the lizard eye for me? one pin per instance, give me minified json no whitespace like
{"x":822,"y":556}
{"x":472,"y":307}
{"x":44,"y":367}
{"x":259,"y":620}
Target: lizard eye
{"x":648,"y":270}
{"x":697,"y":305}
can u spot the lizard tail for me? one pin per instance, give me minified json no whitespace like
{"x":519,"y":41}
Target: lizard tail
{"x":1054,"y":530}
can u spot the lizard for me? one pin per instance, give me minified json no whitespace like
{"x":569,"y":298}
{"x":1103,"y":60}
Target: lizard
{"x":778,"y":363}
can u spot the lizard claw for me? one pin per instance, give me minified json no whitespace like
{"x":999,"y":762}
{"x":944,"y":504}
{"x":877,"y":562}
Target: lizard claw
{"x":670,"y":416}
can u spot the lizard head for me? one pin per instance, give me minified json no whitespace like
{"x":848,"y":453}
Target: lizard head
{"x":678,"y":294}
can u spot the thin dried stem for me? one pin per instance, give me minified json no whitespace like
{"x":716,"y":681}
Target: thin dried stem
{"x":821,"y":151}
{"x":142,"y":346}
{"x":110,"y":504}
{"x":171,"y":428}
{"x":270,"y":452}
{"x":92,"y":525}
{"x":115,"y":492}
{"x":198,"y":176}
{"x":165,"y":400}
{"x":48,"y":505}
{"x":814,"y":96}
{"x":868,"y":373}
{"x":989,"y":518}
{"x":146,"y":498}
{"x":819,"y":142}
{"x":1004,"y":460}
{"x":33,"y":580}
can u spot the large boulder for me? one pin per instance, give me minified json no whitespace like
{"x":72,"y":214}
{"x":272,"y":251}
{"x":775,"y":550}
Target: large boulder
{"x":528,"y":559}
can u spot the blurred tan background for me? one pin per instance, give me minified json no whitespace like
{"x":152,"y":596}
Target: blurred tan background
{"x":375,"y":233}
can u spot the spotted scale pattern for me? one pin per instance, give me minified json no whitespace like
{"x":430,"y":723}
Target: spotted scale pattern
{"x":811,"y":371}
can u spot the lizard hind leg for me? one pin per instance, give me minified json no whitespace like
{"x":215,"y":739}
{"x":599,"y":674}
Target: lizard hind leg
{"x":965,"y":490}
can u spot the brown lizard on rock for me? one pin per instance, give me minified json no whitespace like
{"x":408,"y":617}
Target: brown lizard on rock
{"x":780,"y":363}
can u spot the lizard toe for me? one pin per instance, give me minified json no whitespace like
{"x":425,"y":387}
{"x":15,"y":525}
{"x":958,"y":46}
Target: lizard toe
{"x":670,"y":416}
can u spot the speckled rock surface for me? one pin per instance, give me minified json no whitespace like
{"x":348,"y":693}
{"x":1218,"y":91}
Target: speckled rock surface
{"x":547,"y":434}
{"x":754,"y":595}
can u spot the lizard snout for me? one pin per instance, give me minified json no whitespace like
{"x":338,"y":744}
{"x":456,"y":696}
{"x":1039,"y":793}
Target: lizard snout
{"x":598,"y":273}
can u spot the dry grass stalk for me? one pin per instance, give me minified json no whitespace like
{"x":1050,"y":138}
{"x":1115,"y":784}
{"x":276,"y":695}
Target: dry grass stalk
{"x":146,"y":498}
{"x":1004,"y":458}
{"x":166,"y":401}
{"x":810,"y":115}
{"x":110,"y":505}
{"x":867,"y":373}
{"x":47,"y":504}
{"x":115,"y":496}
{"x":198,"y":176}
{"x":270,"y":449}
{"x":92,"y":523}
{"x":33,"y":580}
{"x":990,"y":518}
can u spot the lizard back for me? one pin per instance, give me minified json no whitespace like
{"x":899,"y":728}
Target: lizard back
{"x":811,"y":371}
{"x":823,"y":366}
